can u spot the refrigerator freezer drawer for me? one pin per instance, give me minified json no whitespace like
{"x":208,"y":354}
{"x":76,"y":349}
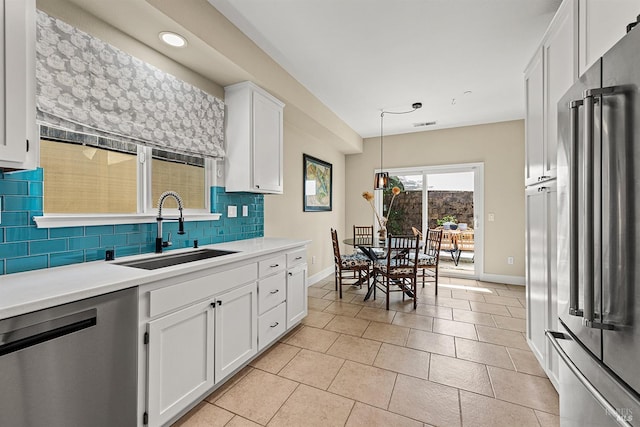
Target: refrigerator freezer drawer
{"x":589,"y":395}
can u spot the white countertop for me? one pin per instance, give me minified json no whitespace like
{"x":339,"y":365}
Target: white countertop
{"x":34,"y":290}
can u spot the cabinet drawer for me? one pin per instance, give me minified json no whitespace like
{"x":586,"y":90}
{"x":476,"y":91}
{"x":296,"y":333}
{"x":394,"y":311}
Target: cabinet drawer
{"x":271,"y":291}
{"x":271,"y":325}
{"x":171,"y":297}
{"x":272,"y":265}
{"x":296,"y":257}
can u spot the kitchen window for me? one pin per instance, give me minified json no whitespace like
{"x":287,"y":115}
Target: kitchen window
{"x":105,"y":181}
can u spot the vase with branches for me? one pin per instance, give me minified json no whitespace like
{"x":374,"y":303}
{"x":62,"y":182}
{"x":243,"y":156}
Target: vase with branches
{"x":382,"y":220}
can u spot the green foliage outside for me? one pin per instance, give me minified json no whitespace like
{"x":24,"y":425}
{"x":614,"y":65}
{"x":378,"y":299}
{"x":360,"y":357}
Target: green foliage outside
{"x":394,"y":223}
{"x":447,"y":218}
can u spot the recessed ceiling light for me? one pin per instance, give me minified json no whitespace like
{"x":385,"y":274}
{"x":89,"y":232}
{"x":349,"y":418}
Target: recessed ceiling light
{"x":173,"y":39}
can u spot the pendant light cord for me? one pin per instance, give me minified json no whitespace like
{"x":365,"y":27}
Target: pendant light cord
{"x":414,"y":107}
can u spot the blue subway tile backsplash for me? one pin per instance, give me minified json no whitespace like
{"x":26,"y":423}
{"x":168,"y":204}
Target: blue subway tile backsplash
{"x":25,"y":247}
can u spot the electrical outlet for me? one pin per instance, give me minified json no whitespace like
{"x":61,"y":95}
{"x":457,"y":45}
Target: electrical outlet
{"x":313,"y":259}
{"x":491,"y":217}
{"x":510,"y":260}
{"x":232,"y":211}
{"x":245,"y":210}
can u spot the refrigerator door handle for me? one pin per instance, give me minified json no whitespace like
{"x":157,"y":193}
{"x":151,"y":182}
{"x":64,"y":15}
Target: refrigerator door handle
{"x":587,"y":190}
{"x":591,"y":97}
{"x":574,"y":304}
{"x":553,"y":338}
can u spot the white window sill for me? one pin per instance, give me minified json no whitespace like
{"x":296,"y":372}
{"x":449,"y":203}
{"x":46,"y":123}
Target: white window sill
{"x":68,"y":220}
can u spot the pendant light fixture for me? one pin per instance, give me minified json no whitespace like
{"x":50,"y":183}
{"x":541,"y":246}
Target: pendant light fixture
{"x":382,"y":178}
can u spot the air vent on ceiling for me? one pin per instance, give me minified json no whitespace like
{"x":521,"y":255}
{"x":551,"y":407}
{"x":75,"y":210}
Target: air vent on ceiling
{"x":417,"y":125}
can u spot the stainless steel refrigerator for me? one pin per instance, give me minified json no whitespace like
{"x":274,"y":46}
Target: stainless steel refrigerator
{"x":599,"y":242}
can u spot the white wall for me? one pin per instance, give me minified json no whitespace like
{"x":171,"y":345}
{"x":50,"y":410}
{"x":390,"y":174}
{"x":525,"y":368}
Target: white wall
{"x":500,"y":146}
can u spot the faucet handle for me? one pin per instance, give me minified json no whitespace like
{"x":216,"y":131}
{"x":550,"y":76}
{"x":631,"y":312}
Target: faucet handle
{"x":168,"y":242}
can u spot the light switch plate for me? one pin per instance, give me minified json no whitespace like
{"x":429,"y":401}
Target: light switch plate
{"x":245,"y":210}
{"x":232,"y":211}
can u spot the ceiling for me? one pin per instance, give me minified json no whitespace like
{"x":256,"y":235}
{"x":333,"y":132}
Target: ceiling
{"x":463,"y":59}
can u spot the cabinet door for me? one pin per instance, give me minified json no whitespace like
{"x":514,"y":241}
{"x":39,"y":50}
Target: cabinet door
{"x":602,"y":24}
{"x":541,"y":268}
{"x":296,"y":294}
{"x":180,"y":365}
{"x":236,"y":329}
{"x":534,"y":123}
{"x":267,"y":144}
{"x":560,"y":65}
{"x":13,"y":74}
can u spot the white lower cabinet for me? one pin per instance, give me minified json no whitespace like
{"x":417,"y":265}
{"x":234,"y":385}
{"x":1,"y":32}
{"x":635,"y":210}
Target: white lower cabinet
{"x":236,"y":329}
{"x":180,"y":362}
{"x":199,"y":329}
{"x":271,"y":325}
{"x":296,"y":294}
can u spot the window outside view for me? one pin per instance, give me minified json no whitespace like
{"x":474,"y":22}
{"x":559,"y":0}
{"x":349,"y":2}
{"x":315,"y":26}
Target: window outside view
{"x":449,"y":202}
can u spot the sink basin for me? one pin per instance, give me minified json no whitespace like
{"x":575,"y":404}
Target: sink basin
{"x":161,"y":261}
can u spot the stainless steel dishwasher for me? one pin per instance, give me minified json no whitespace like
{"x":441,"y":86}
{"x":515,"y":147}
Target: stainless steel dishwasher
{"x":71,"y":365}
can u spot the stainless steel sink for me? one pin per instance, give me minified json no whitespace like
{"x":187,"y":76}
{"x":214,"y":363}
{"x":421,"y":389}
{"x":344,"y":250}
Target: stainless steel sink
{"x":161,"y":261}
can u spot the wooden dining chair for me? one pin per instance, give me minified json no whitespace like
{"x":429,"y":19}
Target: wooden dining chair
{"x":466,"y":243}
{"x":362,"y":234}
{"x":397,"y":272}
{"x":345,"y":265}
{"x":429,"y":258}
{"x":450,"y":244}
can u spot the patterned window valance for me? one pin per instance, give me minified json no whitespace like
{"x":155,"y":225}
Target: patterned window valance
{"x":84,"y":84}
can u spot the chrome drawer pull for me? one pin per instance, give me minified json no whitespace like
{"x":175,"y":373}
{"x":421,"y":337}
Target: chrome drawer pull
{"x":275,"y":291}
{"x":274,"y":265}
{"x":298,"y":257}
{"x":275,"y":324}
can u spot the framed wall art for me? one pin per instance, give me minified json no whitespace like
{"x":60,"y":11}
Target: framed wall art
{"x":317,"y":184}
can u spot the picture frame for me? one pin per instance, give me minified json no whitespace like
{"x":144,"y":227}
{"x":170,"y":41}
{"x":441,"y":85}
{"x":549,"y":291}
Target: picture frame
{"x":317,"y":184}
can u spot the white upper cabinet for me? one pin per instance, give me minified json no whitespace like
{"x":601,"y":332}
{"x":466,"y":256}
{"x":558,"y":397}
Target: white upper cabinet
{"x":534,"y":125}
{"x":254,"y":140}
{"x":549,"y":75}
{"x":602,"y":24}
{"x":560,"y":71}
{"x":18,"y":130}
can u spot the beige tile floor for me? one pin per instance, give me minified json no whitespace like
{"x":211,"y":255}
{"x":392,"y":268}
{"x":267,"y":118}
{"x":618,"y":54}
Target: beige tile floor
{"x":459,"y":359}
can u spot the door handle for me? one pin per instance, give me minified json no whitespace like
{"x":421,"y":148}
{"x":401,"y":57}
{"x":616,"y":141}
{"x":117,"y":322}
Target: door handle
{"x":591,"y":98}
{"x":553,"y":338}
{"x":574,"y":304}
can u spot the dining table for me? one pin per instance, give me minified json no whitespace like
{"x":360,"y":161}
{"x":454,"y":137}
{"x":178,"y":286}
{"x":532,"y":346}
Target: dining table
{"x":374,"y":249}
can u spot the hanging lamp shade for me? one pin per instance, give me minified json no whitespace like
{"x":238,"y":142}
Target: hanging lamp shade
{"x":381,"y":180}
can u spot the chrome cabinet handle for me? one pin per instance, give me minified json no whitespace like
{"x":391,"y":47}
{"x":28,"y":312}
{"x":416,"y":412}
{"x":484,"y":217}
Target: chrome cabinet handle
{"x":274,"y":265}
{"x":574,"y":304}
{"x":553,"y":337}
{"x":274,"y":325}
{"x":275,"y":291}
{"x":298,"y":257}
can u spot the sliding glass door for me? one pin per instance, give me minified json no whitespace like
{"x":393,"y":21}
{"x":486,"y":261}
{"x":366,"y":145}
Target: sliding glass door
{"x":448,"y":197}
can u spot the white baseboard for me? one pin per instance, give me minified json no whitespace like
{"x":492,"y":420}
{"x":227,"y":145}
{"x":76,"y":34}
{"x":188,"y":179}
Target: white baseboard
{"x":499,"y":278}
{"x":312,"y":280}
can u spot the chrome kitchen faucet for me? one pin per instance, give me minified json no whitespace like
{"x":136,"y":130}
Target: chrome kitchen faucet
{"x":159,"y":243}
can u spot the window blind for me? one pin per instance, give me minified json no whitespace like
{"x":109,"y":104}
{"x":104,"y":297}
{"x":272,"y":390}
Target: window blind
{"x":86,"y":85}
